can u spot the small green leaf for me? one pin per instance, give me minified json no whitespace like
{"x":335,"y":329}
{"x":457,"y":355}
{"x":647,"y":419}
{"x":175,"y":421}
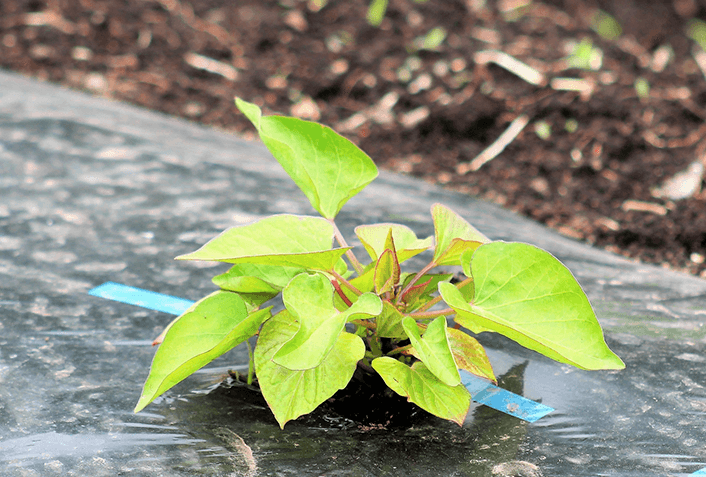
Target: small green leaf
{"x":327,"y":167}
{"x":245,"y":284}
{"x":433,"y":349}
{"x":470,"y":355}
{"x":387,"y":272}
{"x":466,"y":262}
{"x":433,"y":39}
{"x":291,"y":241}
{"x":417,"y":295}
{"x":255,"y":283}
{"x":376,"y":12}
{"x":211,"y":327}
{"x":642,"y":88}
{"x":291,"y":394}
{"x":389,"y":323}
{"x":406,"y":242}
{"x":696,"y":30}
{"x":309,"y":299}
{"x":529,"y":296}
{"x":606,"y":26}
{"x":424,"y":389}
{"x":453,"y":236}
{"x":269,"y":278}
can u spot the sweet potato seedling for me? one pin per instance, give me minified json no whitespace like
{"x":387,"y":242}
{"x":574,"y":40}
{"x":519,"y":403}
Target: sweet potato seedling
{"x":341,"y":314}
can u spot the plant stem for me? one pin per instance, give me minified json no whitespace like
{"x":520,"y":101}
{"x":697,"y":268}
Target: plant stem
{"x":366,"y":367}
{"x":438,"y":298}
{"x":345,"y":282}
{"x":399,"y":350}
{"x":374,"y":346}
{"x":251,"y":364}
{"x":420,"y":274}
{"x":464,"y":283}
{"x":365,"y":324}
{"x":429,"y":304}
{"x":349,"y":253}
{"x":432,"y":314}
{"x":341,"y":294}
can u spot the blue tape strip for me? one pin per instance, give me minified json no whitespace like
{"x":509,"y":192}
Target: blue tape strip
{"x":700,"y":472}
{"x":481,"y":390}
{"x":144,"y":298}
{"x":499,"y":399}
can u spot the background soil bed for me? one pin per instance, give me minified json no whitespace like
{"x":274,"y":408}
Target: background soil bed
{"x":422,"y":112}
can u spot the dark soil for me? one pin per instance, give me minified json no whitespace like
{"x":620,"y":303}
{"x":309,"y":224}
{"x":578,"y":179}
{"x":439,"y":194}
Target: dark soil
{"x":425,"y":112}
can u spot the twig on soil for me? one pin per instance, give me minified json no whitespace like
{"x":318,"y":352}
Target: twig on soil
{"x":583,"y":86}
{"x":692,"y":138}
{"x":640,"y":206}
{"x":205,"y":63}
{"x":381,"y":113}
{"x":492,"y":151}
{"x":511,"y":64}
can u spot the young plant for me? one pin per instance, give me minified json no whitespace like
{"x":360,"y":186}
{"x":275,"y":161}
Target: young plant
{"x":376,"y":317}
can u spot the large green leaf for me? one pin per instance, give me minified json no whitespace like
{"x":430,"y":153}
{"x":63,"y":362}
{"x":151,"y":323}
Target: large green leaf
{"x":280,"y":240}
{"x":433,"y":349}
{"x":291,"y":394}
{"x":424,"y":389}
{"x":327,"y":167}
{"x":309,"y":299}
{"x":453,"y":236}
{"x":407,"y":244}
{"x":211,"y":327}
{"x":529,"y":296}
{"x":469,"y":354}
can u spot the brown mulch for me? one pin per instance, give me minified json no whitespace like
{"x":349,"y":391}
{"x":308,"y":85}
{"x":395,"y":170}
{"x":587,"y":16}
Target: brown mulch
{"x":589,"y":163}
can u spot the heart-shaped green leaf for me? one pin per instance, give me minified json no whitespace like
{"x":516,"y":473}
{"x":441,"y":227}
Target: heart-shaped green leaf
{"x":453,"y":236}
{"x":469,"y":354}
{"x":211,"y":327}
{"x":433,"y":349}
{"x":407,"y":244}
{"x":327,"y":167}
{"x":309,"y":299}
{"x":280,"y":240}
{"x":424,"y":389}
{"x":529,"y":296}
{"x":291,"y":394}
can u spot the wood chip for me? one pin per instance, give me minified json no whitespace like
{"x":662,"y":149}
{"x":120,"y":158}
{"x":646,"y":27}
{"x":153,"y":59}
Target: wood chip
{"x":661,"y":57}
{"x":486,"y":35}
{"x":414,"y":117}
{"x":511,"y":64}
{"x":205,"y":63}
{"x":683,"y":185}
{"x":51,"y":19}
{"x":381,"y":113}
{"x":700,"y":58}
{"x":639,"y":206}
{"x":497,"y":147}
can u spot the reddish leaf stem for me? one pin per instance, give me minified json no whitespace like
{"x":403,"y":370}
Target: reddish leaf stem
{"x":340,"y":293}
{"x":349,"y":253}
